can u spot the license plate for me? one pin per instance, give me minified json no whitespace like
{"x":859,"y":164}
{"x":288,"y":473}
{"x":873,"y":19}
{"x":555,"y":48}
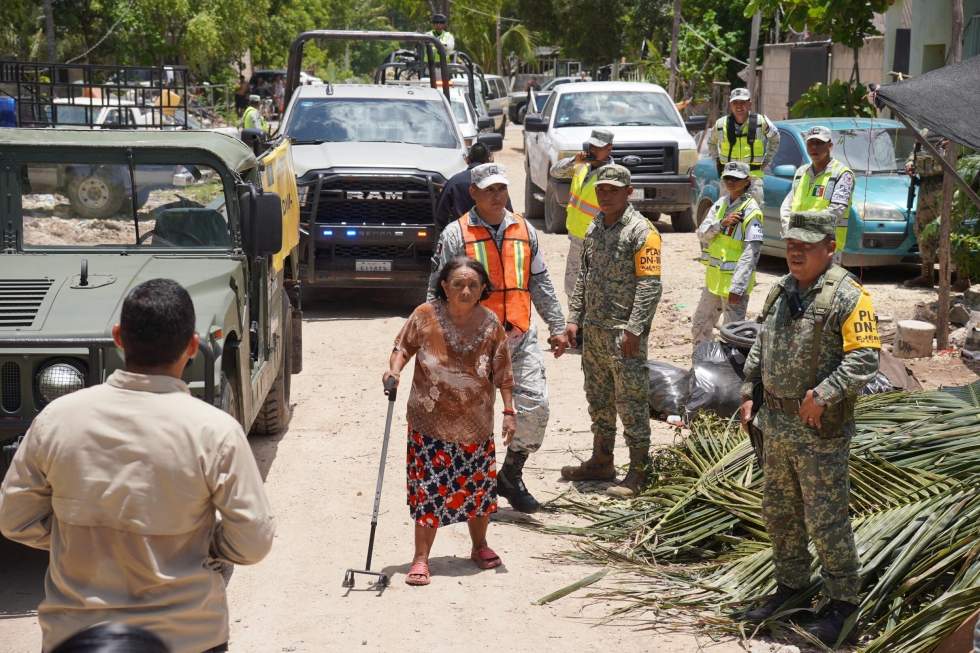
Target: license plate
{"x":637,"y":194}
{"x":368,"y":265}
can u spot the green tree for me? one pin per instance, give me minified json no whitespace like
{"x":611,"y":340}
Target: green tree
{"x":475,"y":28}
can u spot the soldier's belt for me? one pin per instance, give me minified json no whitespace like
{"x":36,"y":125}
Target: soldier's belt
{"x":782,"y":404}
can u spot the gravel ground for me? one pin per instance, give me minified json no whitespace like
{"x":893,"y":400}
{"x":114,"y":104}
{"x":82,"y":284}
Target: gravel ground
{"x":321,"y":476}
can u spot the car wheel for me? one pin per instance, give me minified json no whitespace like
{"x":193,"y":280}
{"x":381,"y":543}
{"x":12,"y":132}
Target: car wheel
{"x":95,"y":195}
{"x":703,"y":210}
{"x":521,"y":113}
{"x":228,"y":398}
{"x":554,"y":212}
{"x":273,"y":417}
{"x":533,"y":208}
{"x":682,"y":221}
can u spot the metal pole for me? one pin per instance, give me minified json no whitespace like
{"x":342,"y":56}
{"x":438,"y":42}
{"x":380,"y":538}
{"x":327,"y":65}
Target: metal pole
{"x":945,"y":227}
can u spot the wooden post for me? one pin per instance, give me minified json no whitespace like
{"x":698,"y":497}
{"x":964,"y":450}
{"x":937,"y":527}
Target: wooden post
{"x":674,"y":37}
{"x":753,"y":48}
{"x":945,"y":219}
{"x":500,"y":48}
{"x":49,"y":31}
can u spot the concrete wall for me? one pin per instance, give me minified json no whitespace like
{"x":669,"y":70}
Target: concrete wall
{"x":775,"y":71}
{"x":930,"y":24}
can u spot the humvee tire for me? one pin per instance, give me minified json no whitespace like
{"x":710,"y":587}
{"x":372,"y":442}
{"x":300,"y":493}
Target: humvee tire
{"x":273,"y":417}
{"x":95,"y":195}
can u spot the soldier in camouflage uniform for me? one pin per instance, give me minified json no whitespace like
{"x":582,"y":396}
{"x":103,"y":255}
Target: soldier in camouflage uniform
{"x":615,"y":297}
{"x":923,"y":164}
{"x":818,"y":347}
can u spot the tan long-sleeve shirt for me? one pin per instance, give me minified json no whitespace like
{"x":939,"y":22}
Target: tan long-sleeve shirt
{"x":136,"y":488}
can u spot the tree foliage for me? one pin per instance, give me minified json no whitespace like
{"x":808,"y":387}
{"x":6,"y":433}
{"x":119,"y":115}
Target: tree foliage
{"x":836,"y":99}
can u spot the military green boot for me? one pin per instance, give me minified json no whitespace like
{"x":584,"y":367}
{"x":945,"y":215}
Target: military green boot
{"x":636,"y":477}
{"x":597,"y":468}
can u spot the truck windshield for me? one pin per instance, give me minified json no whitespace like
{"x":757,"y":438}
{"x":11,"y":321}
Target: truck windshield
{"x":381,"y":120}
{"x":873,"y":150}
{"x":91,"y":205}
{"x":615,"y":109}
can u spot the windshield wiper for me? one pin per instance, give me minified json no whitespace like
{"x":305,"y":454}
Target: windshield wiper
{"x":634,"y":123}
{"x":578,"y":123}
{"x":312,"y":141}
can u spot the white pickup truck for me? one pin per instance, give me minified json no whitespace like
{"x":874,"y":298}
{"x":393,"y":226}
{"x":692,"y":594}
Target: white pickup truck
{"x":649,"y":138}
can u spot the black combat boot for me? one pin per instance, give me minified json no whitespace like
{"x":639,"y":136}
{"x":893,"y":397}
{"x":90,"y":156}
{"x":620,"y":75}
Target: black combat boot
{"x":636,"y":477}
{"x":828,"y":627}
{"x":770,"y":605}
{"x":510,"y":483}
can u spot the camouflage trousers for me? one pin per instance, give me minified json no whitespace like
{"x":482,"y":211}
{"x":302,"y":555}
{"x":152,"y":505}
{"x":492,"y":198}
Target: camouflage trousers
{"x":572,"y":266}
{"x":530,"y":391}
{"x":615,"y":385}
{"x":805,"y":493}
{"x":928,"y":208}
{"x":706,"y":315}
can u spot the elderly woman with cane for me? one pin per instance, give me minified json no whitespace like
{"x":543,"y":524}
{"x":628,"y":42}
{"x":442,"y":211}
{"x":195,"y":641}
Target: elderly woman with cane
{"x":461,"y":357}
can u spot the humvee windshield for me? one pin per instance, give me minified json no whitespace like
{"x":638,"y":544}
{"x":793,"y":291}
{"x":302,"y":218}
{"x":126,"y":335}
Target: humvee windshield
{"x":91,"y":205}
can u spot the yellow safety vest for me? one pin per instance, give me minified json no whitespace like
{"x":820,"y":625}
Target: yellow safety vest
{"x":746,"y":147}
{"x":727,"y":247}
{"x":252,"y":119}
{"x":583,"y":206}
{"x":813,"y":194}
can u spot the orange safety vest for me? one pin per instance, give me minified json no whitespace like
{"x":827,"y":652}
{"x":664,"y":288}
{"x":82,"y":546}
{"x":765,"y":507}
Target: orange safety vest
{"x":509,"y":269}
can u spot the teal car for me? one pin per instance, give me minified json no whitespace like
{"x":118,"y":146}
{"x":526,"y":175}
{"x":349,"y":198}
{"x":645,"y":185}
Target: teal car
{"x":879,"y":230}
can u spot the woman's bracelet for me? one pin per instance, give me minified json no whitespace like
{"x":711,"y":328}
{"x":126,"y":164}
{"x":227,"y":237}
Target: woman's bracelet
{"x":509,"y":411}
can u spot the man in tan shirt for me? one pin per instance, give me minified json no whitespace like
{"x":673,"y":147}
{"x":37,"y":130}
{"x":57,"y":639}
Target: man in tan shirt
{"x":139,"y":491}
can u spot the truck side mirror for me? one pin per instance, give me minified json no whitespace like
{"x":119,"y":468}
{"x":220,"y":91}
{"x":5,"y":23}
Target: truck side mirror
{"x":696,"y":124}
{"x":535,"y":122}
{"x":493,"y":113}
{"x":484,"y":123}
{"x":256,"y":139}
{"x":261,"y":223}
{"x":494,"y":142}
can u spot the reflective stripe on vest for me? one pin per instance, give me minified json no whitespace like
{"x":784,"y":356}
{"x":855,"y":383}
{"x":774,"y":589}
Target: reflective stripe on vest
{"x":727,"y":247}
{"x":741,"y":150}
{"x":814,"y":193}
{"x":509,"y":269}
{"x":583,"y":206}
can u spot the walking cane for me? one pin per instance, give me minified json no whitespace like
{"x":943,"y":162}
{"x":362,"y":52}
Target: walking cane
{"x":391,"y":389}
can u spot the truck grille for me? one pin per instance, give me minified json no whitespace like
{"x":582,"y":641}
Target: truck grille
{"x":373,"y":251}
{"x":20,"y":300}
{"x":654,"y":158}
{"x":10,"y":387}
{"x":372,"y":201}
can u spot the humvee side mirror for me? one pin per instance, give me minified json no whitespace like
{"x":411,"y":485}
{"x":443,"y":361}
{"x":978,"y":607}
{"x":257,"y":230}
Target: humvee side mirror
{"x":261,"y":222}
{"x":494,"y":142}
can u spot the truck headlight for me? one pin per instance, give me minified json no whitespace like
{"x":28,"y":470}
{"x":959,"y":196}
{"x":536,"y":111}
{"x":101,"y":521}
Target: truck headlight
{"x":871,"y":212}
{"x":686,"y":159}
{"x":301,"y":193}
{"x":58,"y":379}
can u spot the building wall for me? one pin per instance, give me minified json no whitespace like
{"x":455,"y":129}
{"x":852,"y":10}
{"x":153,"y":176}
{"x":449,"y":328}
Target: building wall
{"x":930,"y":22}
{"x":776,"y":71}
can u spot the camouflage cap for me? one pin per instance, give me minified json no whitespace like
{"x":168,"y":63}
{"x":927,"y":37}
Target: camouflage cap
{"x":613,"y":175}
{"x":740,"y":94}
{"x":254,"y":98}
{"x":600,"y":138}
{"x":736,"y":169}
{"x":811,"y":226}
{"x":488,"y":174}
{"x":818,"y":132}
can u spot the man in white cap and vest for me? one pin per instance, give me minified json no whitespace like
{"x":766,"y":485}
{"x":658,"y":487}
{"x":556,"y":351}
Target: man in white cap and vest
{"x":583,"y":206}
{"x":507,"y":246}
{"x":824,"y":185}
{"x":731,"y":241}
{"x":744,"y":136}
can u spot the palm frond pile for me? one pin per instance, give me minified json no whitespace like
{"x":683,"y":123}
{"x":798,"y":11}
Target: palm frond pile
{"x":697,"y":538}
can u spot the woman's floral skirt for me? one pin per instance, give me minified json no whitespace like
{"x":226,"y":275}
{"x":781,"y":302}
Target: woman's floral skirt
{"x":450,"y":482}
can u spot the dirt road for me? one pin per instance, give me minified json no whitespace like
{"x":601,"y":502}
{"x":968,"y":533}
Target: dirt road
{"x":320,"y":477}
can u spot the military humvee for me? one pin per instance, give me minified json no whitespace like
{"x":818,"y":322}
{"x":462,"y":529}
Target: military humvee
{"x":198,"y":208}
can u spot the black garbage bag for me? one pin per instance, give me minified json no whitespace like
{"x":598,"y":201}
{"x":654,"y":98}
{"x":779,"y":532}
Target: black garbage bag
{"x":668,"y":389}
{"x":716,"y":380}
